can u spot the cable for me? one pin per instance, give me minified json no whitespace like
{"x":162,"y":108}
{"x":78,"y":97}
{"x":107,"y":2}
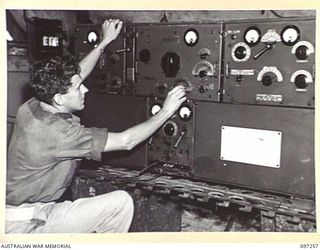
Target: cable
{"x":276,"y":14}
{"x":136,"y":176}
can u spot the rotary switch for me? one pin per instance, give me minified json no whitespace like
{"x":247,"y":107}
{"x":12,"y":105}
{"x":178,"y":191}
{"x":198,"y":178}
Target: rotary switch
{"x":203,"y":69}
{"x":170,"y":129}
{"x":301,"y":78}
{"x":300,"y":81}
{"x":301,"y":52}
{"x":266,"y":80}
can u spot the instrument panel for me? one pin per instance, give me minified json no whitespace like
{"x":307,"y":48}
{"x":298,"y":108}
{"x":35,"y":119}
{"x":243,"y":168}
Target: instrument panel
{"x":178,"y":54}
{"x":173,"y":142}
{"x":248,"y":82}
{"x":270,"y":63}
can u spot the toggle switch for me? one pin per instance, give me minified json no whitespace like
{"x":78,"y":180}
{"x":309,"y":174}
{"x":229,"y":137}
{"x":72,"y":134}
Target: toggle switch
{"x":182,"y":134}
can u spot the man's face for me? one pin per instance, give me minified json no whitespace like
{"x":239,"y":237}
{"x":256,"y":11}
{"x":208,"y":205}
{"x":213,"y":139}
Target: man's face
{"x":73,"y":100}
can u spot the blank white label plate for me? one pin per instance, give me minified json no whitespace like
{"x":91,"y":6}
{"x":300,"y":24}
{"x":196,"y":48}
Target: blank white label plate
{"x":252,"y":146}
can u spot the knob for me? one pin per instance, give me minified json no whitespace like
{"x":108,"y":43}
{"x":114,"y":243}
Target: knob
{"x":204,"y":55}
{"x":201,"y":89}
{"x":266,"y":80}
{"x":301,"y":52}
{"x":300,"y":81}
{"x":170,"y":129}
{"x":203,"y":73}
{"x":239,"y":78}
{"x":240,"y":52}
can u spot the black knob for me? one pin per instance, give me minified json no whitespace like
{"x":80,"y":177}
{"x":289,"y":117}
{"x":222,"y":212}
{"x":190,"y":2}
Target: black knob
{"x":203,"y":73}
{"x":300,"y":81}
{"x":301,"y":52}
{"x":201,"y":89}
{"x":240,"y":52}
{"x":266,"y":80}
{"x":144,"y":55}
{"x":203,"y":55}
{"x":169,"y":130}
{"x":239,"y":78}
{"x":162,"y":88}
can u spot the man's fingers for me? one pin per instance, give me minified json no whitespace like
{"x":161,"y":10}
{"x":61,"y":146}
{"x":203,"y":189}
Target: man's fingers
{"x":177,"y":89}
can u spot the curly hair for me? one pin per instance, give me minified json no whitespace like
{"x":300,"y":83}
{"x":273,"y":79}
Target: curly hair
{"x":52,"y":76}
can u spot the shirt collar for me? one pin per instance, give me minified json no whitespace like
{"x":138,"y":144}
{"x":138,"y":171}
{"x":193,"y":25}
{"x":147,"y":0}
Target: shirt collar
{"x":53,"y":110}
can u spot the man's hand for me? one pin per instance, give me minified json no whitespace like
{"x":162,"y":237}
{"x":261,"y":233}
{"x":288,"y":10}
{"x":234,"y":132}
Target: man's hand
{"x":110,"y":30}
{"x":174,"y":99}
{"x":131,"y":137}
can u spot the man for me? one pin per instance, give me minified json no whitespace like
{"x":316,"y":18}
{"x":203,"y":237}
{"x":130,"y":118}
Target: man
{"x":48,"y":142}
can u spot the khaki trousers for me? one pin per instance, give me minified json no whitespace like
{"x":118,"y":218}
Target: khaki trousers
{"x":111,"y":212}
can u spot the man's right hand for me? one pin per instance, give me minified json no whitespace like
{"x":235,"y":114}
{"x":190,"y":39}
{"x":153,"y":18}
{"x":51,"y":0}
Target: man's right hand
{"x":111,"y":29}
{"x":174,"y":99}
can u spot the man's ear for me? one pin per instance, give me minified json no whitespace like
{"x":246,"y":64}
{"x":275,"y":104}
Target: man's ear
{"x":57,"y":99}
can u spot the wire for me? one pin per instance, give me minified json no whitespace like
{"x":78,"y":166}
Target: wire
{"x":124,"y":181}
{"x":276,"y":14}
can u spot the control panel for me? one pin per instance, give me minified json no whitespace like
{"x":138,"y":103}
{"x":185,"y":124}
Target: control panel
{"x":173,"y":142}
{"x":249,"y":115}
{"x":270,"y":62}
{"x":109,"y":73}
{"x":179,"y":54}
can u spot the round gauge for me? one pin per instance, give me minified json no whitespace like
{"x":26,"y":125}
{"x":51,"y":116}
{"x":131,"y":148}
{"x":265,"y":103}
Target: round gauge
{"x":92,"y":37}
{"x":191,"y":37}
{"x":290,"y":35}
{"x":252,"y":36}
{"x":155,"y":108}
{"x":185,"y":113}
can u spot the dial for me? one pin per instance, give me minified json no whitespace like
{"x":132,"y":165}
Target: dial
{"x":185,"y":112}
{"x":155,"y":108}
{"x":301,"y":52}
{"x":290,"y":35}
{"x":92,"y":37}
{"x":203,"y":69}
{"x":191,"y":37}
{"x":267,"y":80}
{"x":240,"y":52}
{"x":170,"y":129}
{"x":145,"y":55}
{"x":301,"y":78}
{"x":300,"y":81}
{"x":268,"y":73}
{"x":252,"y":36}
{"x":271,"y":36}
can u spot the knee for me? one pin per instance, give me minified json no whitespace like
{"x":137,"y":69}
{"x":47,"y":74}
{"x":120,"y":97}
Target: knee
{"x":124,"y":199}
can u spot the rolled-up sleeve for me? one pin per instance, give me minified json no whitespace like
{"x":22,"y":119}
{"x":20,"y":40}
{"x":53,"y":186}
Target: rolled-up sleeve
{"x":78,"y":141}
{"x":99,"y":140}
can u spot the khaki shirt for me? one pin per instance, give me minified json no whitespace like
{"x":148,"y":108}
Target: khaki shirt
{"x":44,"y":151}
